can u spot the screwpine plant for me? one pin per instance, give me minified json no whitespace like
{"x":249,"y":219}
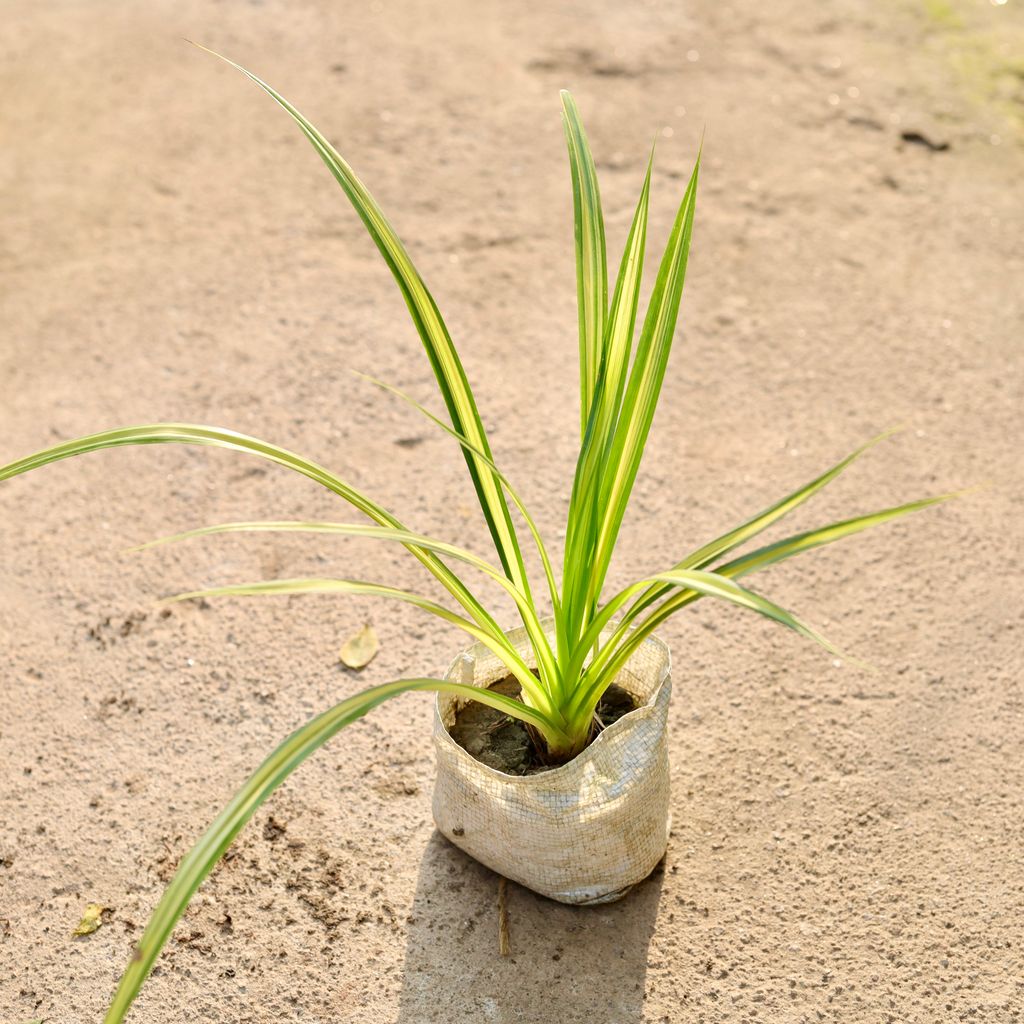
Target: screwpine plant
{"x":577,"y":657}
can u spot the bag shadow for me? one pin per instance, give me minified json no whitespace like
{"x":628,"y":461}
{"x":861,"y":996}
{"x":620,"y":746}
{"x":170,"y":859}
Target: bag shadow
{"x":567,"y":964}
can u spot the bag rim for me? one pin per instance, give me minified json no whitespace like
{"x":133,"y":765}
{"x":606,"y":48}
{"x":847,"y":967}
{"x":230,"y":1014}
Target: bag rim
{"x":646,"y":710}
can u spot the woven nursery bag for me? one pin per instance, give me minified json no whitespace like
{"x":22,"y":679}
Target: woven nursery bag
{"x":582,"y":833}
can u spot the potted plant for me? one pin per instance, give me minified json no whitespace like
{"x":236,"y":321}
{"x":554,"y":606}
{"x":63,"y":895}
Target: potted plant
{"x":551,"y":743}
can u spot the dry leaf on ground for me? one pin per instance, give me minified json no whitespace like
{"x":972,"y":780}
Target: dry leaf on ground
{"x":91,"y":919}
{"x":360,"y":649}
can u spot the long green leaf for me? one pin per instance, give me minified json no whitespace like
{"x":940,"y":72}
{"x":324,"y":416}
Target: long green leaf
{"x":447,"y":367}
{"x":618,"y":342}
{"x":722,"y":545}
{"x":202,"y":858}
{"x":547,"y":665}
{"x":591,"y":466}
{"x":542,"y":648}
{"x":712,"y":584}
{"x":537,"y":696}
{"x":644,"y":387}
{"x":502,"y":479}
{"x":591,"y":265}
{"x":695,"y":583}
{"x":707,"y":584}
{"x":811,"y":539}
{"x":405,"y":537}
{"x":619,"y":647}
{"x":192,"y":434}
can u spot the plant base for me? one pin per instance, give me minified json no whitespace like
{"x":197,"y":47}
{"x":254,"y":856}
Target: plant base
{"x":582,"y":833}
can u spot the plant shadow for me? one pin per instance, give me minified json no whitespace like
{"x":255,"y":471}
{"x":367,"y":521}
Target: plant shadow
{"x":570,"y":965}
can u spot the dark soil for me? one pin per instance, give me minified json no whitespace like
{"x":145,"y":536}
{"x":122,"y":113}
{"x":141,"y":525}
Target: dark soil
{"x":504,"y":743}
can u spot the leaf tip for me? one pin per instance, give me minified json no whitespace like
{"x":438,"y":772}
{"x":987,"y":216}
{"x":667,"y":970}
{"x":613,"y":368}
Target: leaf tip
{"x":985,"y":485}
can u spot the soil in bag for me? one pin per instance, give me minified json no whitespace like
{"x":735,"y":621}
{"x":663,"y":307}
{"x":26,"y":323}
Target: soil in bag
{"x":504,"y":743}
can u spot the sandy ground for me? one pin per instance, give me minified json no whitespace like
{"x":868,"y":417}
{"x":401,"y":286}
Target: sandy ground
{"x":847,"y":845}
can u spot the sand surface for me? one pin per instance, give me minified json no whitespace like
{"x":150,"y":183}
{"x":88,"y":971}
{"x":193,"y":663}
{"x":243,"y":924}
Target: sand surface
{"x":847,"y":845}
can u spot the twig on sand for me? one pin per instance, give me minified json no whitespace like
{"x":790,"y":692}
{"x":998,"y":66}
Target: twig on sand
{"x":504,"y":941}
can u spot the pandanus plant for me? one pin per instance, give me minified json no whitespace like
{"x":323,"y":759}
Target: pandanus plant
{"x":580,"y":639}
